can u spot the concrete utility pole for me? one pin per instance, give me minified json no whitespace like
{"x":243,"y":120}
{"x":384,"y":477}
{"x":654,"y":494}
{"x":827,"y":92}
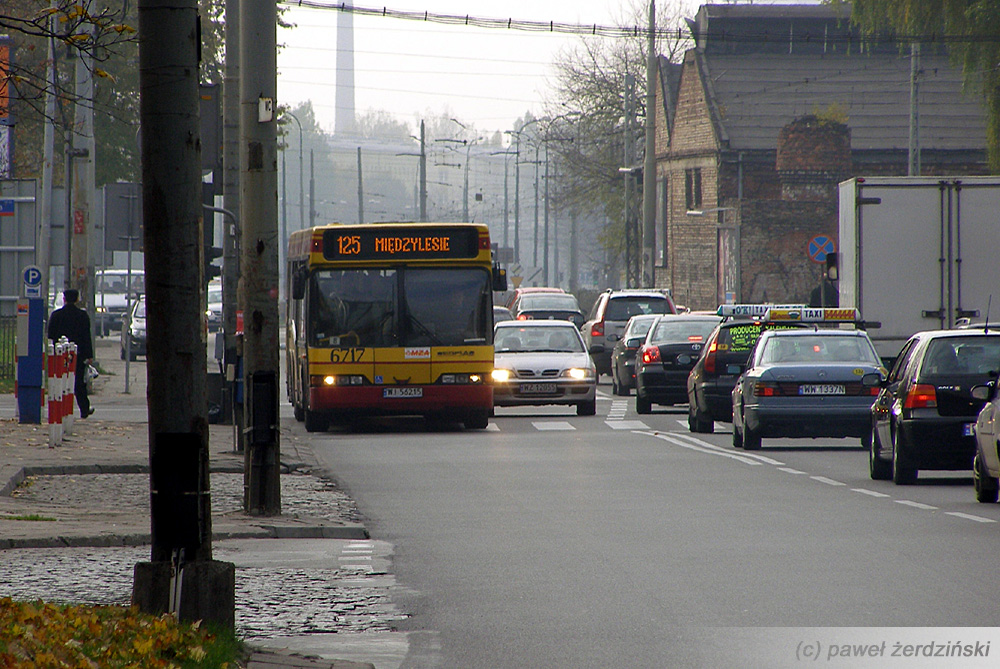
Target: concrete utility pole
{"x":259,"y":255}
{"x":423,"y":175}
{"x":631,"y":280}
{"x":649,"y":161}
{"x":48,"y":168}
{"x":82,"y":161}
{"x":181,"y":576}
{"x":231,"y":202}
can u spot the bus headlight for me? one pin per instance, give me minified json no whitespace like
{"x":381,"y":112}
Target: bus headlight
{"x":501,"y":375}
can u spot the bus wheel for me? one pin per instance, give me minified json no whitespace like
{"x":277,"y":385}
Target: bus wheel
{"x":316,"y":421}
{"x":477,"y":419}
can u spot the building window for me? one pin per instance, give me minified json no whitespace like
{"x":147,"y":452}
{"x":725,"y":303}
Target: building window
{"x":692,"y":188}
{"x":662,"y":210}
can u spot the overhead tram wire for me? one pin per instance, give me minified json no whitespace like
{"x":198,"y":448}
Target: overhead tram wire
{"x":623,"y":31}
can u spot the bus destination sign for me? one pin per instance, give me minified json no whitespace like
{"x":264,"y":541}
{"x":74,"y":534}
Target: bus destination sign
{"x":392,"y":244}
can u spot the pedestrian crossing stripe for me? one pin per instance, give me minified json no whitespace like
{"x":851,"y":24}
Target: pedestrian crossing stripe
{"x":552,"y":425}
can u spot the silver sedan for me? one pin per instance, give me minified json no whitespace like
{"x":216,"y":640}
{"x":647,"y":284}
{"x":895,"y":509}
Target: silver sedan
{"x":543,"y":362}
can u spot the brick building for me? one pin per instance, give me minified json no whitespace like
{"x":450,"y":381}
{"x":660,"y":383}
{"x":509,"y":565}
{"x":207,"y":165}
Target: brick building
{"x":772,"y":108}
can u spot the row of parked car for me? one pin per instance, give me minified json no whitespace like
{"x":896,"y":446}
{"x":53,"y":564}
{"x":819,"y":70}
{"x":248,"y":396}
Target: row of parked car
{"x":788,"y":371}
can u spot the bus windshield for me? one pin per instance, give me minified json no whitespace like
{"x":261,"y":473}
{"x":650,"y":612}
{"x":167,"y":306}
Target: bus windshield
{"x":399,"y":307}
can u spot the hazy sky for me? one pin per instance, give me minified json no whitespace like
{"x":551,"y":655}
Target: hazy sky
{"x":486,"y":77}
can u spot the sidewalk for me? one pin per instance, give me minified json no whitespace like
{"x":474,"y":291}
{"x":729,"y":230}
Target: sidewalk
{"x":92,"y":492}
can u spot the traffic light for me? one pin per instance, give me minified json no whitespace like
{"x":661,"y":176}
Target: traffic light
{"x":832,"y":270}
{"x":212,"y":271}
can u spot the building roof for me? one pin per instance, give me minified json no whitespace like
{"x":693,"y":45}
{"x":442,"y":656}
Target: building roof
{"x":757,"y":94}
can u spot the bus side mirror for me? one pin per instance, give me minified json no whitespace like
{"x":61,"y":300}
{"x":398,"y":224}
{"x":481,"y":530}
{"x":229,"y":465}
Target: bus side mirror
{"x":499,"y":278}
{"x":299,"y":284}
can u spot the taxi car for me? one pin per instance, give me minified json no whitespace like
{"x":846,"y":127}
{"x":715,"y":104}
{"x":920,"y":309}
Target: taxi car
{"x":806,"y":382}
{"x":925,"y":413}
{"x":986,"y":463}
{"x":623,"y":354}
{"x":671,"y":348}
{"x":543,"y":362}
{"x":723,"y":358}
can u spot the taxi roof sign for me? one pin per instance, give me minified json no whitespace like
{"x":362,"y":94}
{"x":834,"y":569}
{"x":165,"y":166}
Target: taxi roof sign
{"x":753,"y":310}
{"x":812,"y":315}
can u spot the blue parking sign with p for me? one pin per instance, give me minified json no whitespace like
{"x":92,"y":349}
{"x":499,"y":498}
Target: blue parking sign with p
{"x":32,"y":281}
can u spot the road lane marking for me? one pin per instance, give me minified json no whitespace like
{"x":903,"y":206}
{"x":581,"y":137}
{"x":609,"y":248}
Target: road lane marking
{"x":626,"y":425}
{"x":916,"y":505}
{"x":701,"y":447}
{"x":762,"y":458}
{"x":492,"y":427}
{"x":823,"y":479}
{"x":870,"y":493}
{"x":969,"y":516}
{"x":552,"y":425}
{"x":789,"y":470}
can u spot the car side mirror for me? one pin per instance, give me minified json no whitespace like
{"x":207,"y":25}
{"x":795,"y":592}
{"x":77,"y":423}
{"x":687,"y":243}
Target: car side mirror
{"x":635,"y":342}
{"x":984,"y":391}
{"x":872,"y":380}
{"x":596,"y":348}
{"x":614,"y":337}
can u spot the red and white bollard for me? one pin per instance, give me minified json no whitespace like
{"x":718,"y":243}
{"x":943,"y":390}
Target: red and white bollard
{"x":54,"y":395}
{"x":70,"y":394}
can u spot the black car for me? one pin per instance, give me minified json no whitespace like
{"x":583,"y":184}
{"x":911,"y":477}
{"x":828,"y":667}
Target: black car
{"x":723,"y":358}
{"x":672,"y":346}
{"x":924,"y":415}
{"x":623,"y":354}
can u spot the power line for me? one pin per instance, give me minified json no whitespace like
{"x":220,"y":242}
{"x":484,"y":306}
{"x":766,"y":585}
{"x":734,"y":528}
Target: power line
{"x":626,"y":31}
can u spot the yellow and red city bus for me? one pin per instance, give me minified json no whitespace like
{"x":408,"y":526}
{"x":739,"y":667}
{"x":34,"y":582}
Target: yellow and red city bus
{"x":391,"y":318}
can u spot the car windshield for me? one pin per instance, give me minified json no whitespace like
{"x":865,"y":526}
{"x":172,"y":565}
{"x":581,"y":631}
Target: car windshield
{"x":214,"y":294}
{"x":670,"y":331}
{"x":623,"y":308}
{"x":119,"y":283}
{"x":140,"y":309}
{"x":962,"y":355}
{"x":532,"y":339}
{"x":564,"y":302}
{"x":399,"y":307}
{"x":822,"y":349}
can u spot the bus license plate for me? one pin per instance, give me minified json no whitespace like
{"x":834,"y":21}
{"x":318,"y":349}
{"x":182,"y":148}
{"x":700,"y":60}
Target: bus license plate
{"x":538,"y":388}
{"x":821,"y":389}
{"x":391,"y":393}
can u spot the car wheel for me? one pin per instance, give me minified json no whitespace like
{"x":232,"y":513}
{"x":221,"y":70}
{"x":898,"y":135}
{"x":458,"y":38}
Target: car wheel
{"x":987,"y":487}
{"x":299,"y":413}
{"x":642,"y":404}
{"x":477,"y":419}
{"x":737,"y":438}
{"x":316,"y":421}
{"x":751,"y":439}
{"x":616,"y":388}
{"x":586,"y":408}
{"x":901,"y":475}
{"x":698,"y":422}
{"x":879,"y":469}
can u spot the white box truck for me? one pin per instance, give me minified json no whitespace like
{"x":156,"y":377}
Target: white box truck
{"x":919,"y":253}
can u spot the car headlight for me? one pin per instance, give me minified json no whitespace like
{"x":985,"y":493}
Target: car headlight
{"x":579,"y":373}
{"x":501,"y":375}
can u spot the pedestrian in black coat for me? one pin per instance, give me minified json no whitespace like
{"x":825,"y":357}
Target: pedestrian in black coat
{"x":72,"y":322}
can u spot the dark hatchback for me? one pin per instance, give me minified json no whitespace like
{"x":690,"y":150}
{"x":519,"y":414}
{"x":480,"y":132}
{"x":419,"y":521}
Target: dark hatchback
{"x":664,"y":361}
{"x":712,"y":379}
{"x":623,"y":354}
{"x":924,"y":415}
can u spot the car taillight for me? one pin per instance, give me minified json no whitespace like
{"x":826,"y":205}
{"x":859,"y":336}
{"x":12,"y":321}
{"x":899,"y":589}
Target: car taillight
{"x":765,"y":389}
{"x":523,"y":317}
{"x":921,"y":396}
{"x":597,"y":329}
{"x":650,"y":354}
{"x":710,"y":358}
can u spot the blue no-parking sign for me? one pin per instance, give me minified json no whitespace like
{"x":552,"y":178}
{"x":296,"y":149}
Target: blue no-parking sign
{"x":819,"y":246}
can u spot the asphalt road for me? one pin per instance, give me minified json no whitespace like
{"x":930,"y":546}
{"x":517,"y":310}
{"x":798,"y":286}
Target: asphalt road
{"x":624,"y":540}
